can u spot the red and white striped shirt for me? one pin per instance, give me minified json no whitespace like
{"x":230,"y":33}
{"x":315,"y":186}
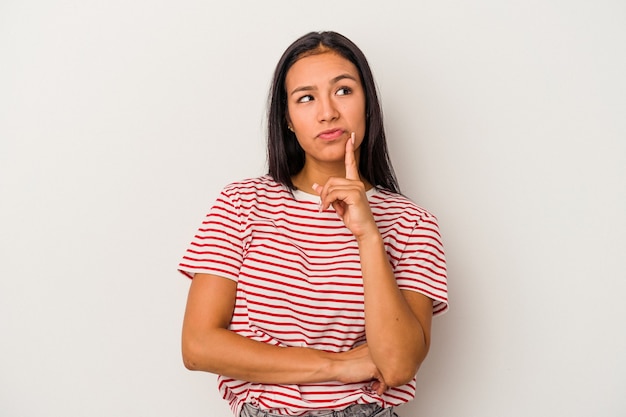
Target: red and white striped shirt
{"x":299,"y":281}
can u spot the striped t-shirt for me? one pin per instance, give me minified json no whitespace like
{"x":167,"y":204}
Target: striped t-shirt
{"x":299,"y":281}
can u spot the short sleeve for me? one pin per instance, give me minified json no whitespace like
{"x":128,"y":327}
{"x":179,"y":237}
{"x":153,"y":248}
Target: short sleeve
{"x":422,"y":266}
{"x":217,"y":247}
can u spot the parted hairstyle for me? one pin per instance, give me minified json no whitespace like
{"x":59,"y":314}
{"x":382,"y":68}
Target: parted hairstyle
{"x":284,"y":154}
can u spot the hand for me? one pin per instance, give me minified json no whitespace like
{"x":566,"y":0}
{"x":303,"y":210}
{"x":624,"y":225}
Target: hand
{"x":356,"y":365}
{"x":347,"y":196}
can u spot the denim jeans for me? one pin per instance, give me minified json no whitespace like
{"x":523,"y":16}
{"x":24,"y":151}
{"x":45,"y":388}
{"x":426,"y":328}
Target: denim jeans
{"x":356,"y":410}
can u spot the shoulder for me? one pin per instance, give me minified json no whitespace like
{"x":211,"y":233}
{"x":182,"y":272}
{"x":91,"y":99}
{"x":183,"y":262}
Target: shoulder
{"x":261,"y":184}
{"x":255,"y":189}
{"x":393,"y":205}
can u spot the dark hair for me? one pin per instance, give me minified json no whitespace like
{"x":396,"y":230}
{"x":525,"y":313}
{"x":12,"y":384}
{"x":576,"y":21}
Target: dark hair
{"x":284,"y":154}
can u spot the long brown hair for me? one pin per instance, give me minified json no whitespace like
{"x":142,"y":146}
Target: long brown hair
{"x":284,"y":154}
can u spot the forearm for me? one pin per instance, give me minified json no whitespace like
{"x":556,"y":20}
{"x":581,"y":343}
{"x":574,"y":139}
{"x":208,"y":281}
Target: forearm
{"x":226,"y":353}
{"x":397,"y":340}
{"x":208,"y":345}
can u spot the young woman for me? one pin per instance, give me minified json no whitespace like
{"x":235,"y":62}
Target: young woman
{"x":314,"y":286}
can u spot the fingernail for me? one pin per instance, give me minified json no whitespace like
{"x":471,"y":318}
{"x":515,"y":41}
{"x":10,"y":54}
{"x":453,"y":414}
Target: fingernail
{"x":352,"y":137}
{"x":315,"y":185}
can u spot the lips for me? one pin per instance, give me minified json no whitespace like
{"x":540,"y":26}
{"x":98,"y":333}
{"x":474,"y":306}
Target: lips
{"x":331,"y":134}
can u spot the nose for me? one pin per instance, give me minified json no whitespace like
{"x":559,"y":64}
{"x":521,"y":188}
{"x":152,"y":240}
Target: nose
{"x":327,"y":110}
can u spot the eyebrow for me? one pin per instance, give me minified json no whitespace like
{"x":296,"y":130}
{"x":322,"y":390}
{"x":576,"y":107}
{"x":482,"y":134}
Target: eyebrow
{"x":332,"y":81}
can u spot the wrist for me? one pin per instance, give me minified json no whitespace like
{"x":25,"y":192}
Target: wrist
{"x":370,"y":238}
{"x":328,"y":369}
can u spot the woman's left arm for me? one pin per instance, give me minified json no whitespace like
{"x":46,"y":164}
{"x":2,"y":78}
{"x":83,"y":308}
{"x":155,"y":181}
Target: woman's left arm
{"x":397,"y":323}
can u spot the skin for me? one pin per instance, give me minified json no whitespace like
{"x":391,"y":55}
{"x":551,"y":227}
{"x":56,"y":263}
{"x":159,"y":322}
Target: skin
{"x":324,"y":95}
{"x":324,"y":92}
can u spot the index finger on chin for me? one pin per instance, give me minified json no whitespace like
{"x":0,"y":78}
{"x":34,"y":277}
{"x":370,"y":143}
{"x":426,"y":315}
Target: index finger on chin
{"x":352,"y":171}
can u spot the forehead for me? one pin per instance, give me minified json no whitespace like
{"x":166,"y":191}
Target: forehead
{"x":319,"y":69}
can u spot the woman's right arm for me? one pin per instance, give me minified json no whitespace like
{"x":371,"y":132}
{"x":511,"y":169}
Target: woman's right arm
{"x":208,"y":345}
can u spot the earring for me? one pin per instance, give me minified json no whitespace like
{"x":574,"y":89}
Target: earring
{"x":290,"y":128}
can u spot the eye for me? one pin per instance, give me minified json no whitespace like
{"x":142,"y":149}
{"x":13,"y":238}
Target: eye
{"x":305,"y":99}
{"x":344,"y":91}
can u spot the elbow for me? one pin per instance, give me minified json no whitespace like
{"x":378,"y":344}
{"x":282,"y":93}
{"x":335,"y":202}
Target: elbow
{"x":399,"y":377}
{"x":190,"y":356}
{"x":201,"y":352}
{"x":190,"y":363}
{"x":402,"y":370}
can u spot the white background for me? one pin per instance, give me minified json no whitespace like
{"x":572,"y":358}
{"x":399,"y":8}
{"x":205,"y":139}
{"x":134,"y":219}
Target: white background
{"x":121,"y":120}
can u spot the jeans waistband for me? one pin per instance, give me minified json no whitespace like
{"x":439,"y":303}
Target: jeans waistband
{"x":356,"y":410}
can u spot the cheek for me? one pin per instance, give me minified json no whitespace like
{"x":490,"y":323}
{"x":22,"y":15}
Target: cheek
{"x":358,"y":116}
{"x":304,"y":123}
{"x":296,"y":116}
{"x":358,"y":109}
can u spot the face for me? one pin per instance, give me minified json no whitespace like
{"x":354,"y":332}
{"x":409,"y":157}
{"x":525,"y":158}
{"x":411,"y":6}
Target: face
{"x":325,"y":104}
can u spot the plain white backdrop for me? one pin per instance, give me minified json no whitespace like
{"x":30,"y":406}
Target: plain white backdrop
{"x":121,"y":120}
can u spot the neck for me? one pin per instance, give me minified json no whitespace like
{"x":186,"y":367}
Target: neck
{"x":309,"y":175}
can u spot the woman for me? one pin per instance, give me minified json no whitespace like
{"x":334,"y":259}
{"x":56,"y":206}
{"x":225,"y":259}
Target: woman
{"x":314,"y":286}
